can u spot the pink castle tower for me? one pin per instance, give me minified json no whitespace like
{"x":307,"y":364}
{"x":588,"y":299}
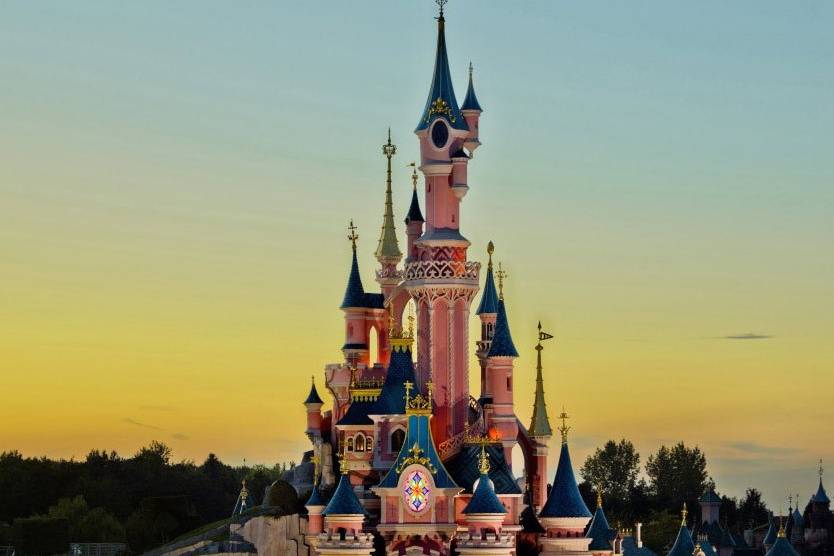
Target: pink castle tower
{"x":438,"y":275}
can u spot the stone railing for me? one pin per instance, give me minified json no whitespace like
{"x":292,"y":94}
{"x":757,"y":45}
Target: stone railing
{"x":443,"y":270}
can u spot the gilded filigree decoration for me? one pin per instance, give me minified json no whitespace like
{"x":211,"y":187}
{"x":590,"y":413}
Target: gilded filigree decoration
{"x":441,"y":108}
{"x":416,"y":457}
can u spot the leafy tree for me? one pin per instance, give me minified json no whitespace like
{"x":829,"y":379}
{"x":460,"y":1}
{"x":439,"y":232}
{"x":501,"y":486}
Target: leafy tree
{"x":614,"y":468}
{"x":752,"y":509}
{"x":40,"y":535}
{"x":660,"y":531}
{"x":676,"y":475}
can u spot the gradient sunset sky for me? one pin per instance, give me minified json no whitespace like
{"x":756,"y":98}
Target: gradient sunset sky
{"x":658,"y":178}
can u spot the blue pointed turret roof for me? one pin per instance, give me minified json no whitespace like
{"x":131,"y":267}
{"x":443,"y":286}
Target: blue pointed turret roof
{"x":484,"y":499}
{"x":707,"y":548}
{"x":441,"y":101}
{"x":355,"y":292}
{"x":463,"y":467}
{"x":391,"y":399}
{"x":414,"y":212}
{"x":470,"y":101}
{"x":684,"y":546}
{"x":502,"y":341}
{"x":798,"y":520}
{"x":316,"y":498}
{"x":489,"y":299}
{"x":599,"y":531}
{"x":709,"y":497}
{"x":313,"y":396}
{"x":344,"y":500}
{"x":821,"y":497}
{"x":564,"y":499}
{"x":357,"y":413}
{"x":418,"y":440}
{"x":772,"y":531}
{"x":782,"y":547}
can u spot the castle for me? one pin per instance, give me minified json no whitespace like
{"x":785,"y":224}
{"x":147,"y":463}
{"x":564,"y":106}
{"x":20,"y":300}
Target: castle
{"x":417,"y":463}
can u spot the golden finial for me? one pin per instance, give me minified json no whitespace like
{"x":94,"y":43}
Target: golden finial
{"x":501,"y":274}
{"x":564,"y":429}
{"x":483,"y":461}
{"x":781,"y":533}
{"x":408,"y":385}
{"x":352,"y":235}
{"x":599,"y":496}
{"x":413,"y":174}
{"x":490,"y":251}
{"x":391,"y":332}
{"x":342,"y":457}
{"x":410,"y":322}
{"x":430,"y":390}
{"x":441,"y":3}
{"x":389,"y":149}
{"x":684,"y":513}
{"x":697,"y":550}
{"x":316,"y":461}
{"x":790,"y":501}
{"x":470,"y":70}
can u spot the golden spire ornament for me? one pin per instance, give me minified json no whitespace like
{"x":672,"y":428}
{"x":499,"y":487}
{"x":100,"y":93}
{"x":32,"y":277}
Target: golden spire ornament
{"x":599,"y":496}
{"x":501,"y":274}
{"x":413,"y":174}
{"x":564,"y":428}
{"x":490,"y":251}
{"x":684,"y":513}
{"x":352,"y":235}
{"x":483,"y":461}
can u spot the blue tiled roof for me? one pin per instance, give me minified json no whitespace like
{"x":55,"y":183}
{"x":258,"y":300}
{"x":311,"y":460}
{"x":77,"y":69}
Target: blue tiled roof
{"x":709,"y":497}
{"x":782,"y":548}
{"x":821,"y":497}
{"x":484,"y":500}
{"x":683,"y":543}
{"x":489,"y":299}
{"x":419,"y":433}
{"x":630,"y":548}
{"x":772,"y":531}
{"x":441,"y":87}
{"x":442,"y":234}
{"x":414,"y":213}
{"x":712,"y":531}
{"x":470,"y":101}
{"x":564,"y":499}
{"x":502,"y":341}
{"x":798,"y":520}
{"x":707,"y":548}
{"x":464,"y":468}
{"x":313,"y":396}
{"x":357,"y":413}
{"x":355,"y":346}
{"x":354,"y":293}
{"x":374,"y":301}
{"x":315,"y":497}
{"x":344,"y":500}
{"x":600,"y":532}
{"x":391,"y":399}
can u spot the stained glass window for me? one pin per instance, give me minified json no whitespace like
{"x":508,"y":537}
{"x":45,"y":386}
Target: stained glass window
{"x":416,"y":491}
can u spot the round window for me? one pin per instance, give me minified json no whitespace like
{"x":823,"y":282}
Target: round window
{"x":439,"y":134}
{"x":416,"y":491}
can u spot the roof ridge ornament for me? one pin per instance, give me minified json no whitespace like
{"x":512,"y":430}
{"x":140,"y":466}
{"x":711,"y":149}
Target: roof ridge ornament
{"x":483,"y":461}
{"x":490,"y":251}
{"x":501,"y":274}
{"x":564,"y":428}
{"x":352,"y":235}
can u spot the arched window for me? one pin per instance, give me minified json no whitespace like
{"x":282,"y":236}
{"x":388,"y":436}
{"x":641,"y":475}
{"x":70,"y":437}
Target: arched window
{"x":349,"y":444}
{"x":397,"y":440}
{"x":373,"y":346}
{"x":359,"y":445}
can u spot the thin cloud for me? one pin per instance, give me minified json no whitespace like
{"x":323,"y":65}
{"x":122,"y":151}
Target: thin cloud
{"x":179,"y":436}
{"x":757,"y":449}
{"x":747,"y":336}
{"x":136,"y":423}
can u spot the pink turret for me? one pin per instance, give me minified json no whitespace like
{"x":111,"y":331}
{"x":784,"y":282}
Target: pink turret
{"x":414,"y":220}
{"x":471,"y":111}
{"x":313,"y":403}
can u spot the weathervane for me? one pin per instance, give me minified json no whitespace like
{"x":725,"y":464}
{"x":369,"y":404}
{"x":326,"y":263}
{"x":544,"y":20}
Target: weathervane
{"x":441,"y":3}
{"x":564,"y":429}
{"x":413,"y":174}
{"x":352,"y":235}
{"x":501,"y":274}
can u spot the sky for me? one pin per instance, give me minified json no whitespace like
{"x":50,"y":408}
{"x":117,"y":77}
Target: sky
{"x":176,"y":180}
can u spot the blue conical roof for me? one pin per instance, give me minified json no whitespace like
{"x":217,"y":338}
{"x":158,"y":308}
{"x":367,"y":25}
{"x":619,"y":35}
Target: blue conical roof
{"x":502,"y":341}
{"x":821,"y":497}
{"x":414,"y":213}
{"x":313,"y":396}
{"x":772,"y":531}
{"x":484,"y":500}
{"x":315,"y":497}
{"x":798,"y":520}
{"x":418,"y":440}
{"x":354,"y":293}
{"x":683,"y":543}
{"x":782,"y":548}
{"x":564,"y":499}
{"x":470,"y":101}
{"x":344,"y":500}
{"x":489,"y":299}
{"x":600,"y":532}
{"x":441,"y":101}
{"x":391,"y":400}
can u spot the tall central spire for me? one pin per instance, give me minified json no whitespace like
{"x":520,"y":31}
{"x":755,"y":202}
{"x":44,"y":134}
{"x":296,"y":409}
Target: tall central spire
{"x":540,"y":424}
{"x":441,"y":101}
{"x":388,"y":250}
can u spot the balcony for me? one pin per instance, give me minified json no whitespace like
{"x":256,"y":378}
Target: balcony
{"x":456,"y":272}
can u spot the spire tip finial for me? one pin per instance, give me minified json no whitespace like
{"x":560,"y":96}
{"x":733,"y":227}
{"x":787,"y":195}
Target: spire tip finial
{"x":483,"y":461}
{"x":352,"y":236}
{"x":684,"y":513}
{"x":564,"y":428}
{"x":501,"y":274}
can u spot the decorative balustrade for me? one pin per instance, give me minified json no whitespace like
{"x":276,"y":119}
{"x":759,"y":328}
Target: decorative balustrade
{"x":466,"y":271}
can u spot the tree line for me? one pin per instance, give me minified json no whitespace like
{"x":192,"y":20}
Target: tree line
{"x":144,"y":500}
{"x":671,"y":476}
